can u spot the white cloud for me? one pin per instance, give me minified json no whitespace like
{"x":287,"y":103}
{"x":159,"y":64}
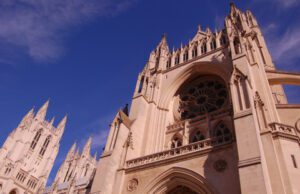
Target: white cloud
{"x":288,"y":3}
{"x":37,"y":26}
{"x":284,"y":46}
{"x":98,"y":130}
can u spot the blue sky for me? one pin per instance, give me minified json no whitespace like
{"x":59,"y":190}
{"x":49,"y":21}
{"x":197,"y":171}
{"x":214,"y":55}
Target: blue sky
{"x":85,"y":55}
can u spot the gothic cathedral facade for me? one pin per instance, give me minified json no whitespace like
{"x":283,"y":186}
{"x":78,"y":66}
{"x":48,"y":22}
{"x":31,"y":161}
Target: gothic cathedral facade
{"x":210,"y":117}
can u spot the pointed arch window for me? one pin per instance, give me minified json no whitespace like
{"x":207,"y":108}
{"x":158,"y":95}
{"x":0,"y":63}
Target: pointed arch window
{"x":36,"y":139}
{"x":176,"y":141}
{"x":177,"y":59}
{"x":203,"y":48}
{"x":194,"y":52}
{"x":196,"y":136}
{"x":213,"y":44}
{"x":169,"y":63}
{"x":222,"y":133}
{"x":141,"y":84}
{"x":86,"y":169}
{"x":223,"y":40}
{"x":237,"y":45}
{"x":186,"y":56}
{"x":45,"y":145}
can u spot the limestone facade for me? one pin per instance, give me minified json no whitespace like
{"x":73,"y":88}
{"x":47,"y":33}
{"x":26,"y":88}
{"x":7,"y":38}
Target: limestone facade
{"x":28,"y":154}
{"x":76,"y":173}
{"x":209,"y":117}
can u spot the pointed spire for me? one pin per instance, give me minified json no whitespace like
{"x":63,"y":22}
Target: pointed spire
{"x":199,"y":29}
{"x":95,"y":156}
{"x":87,"y":148}
{"x":71,"y":151}
{"x":41,"y":114}
{"x":232,"y":7}
{"x":52,"y":121}
{"x":62,"y":124}
{"x":29,"y":115}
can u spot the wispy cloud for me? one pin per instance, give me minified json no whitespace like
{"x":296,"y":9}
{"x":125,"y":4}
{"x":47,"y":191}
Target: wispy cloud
{"x":37,"y":27}
{"x":283,"y":46}
{"x":98,"y":130}
{"x":288,"y":3}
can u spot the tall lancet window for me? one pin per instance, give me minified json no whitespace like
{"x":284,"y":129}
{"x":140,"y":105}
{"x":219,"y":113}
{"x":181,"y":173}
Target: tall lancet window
{"x":86,"y":169}
{"x":36,"y":139}
{"x":45,"y":145}
{"x":213,"y":44}
{"x":203,"y":48}
{"x":194,"y":51}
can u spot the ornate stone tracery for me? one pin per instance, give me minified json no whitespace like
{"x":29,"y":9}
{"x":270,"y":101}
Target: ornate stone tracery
{"x":203,"y":95}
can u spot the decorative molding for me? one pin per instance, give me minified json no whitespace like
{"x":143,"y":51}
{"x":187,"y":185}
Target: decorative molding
{"x":249,"y":162}
{"x":257,"y":100}
{"x":200,"y":147}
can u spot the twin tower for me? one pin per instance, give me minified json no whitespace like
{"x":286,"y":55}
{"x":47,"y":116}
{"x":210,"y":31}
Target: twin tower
{"x":208,"y":118}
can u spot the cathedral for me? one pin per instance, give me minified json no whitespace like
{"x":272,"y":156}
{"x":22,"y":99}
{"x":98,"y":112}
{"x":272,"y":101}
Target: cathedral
{"x":210,"y":117}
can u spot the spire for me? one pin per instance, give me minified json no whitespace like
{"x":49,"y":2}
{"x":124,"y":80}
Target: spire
{"x":28,"y":116}
{"x":87,"y":148}
{"x":71,"y":151}
{"x":95,"y":156}
{"x":52,"y":121}
{"x":61,"y":126}
{"x":199,"y":29}
{"x":41,"y":114}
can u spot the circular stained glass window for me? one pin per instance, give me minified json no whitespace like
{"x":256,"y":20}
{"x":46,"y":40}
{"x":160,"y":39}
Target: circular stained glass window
{"x":202,"y":96}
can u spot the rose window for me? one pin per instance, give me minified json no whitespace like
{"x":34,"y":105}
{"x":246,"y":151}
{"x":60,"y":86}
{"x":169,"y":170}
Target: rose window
{"x":202,"y":96}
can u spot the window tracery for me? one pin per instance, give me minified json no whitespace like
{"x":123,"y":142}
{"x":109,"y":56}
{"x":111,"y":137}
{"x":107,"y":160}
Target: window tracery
{"x":45,"y":145}
{"x":202,"y":96}
{"x":36,"y":139}
{"x":222,"y":132}
{"x":176,"y":142}
{"x":196,"y":136}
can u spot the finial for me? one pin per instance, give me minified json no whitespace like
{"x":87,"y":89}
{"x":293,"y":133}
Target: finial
{"x":41,"y":114}
{"x":199,"y":28}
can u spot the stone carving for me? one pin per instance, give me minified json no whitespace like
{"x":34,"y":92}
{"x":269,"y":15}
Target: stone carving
{"x":220,"y":165}
{"x":132,"y":185}
{"x":257,"y":100}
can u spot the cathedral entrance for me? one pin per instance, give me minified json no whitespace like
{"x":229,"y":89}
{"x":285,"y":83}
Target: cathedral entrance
{"x":13,"y":192}
{"x":182,"y":190}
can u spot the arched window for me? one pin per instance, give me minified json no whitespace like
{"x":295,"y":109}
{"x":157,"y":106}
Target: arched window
{"x":194,"y":52}
{"x":141,"y":84}
{"x":223,"y":40}
{"x":45,"y":145}
{"x":67,"y":172}
{"x":176,"y":141}
{"x":36,"y":139}
{"x":237,"y":45}
{"x":213,"y":44}
{"x":203,"y":48}
{"x":13,"y":191}
{"x":169,"y":63}
{"x":186,"y":56}
{"x":196,"y":136}
{"x":222,"y":133}
{"x":177,"y":59}
{"x":86,"y":169}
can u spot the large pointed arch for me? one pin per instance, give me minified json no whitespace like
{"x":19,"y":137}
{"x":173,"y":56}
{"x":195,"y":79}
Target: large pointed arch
{"x":176,"y":176}
{"x":190,"y":72}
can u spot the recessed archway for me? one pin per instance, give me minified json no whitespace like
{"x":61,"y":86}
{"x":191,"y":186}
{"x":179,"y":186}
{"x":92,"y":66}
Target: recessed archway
{"x":176,"y":179}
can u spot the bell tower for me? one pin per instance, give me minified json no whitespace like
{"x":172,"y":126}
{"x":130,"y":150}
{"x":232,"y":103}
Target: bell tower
{"x":29,"y":152}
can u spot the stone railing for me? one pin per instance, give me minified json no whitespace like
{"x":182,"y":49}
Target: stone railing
{"x":183,"y":150}
{"x":176,"y":126}
{"x":282,"y":128}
